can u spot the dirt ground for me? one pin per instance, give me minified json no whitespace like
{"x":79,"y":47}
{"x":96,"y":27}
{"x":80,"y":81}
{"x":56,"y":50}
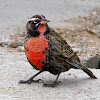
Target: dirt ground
{"x":75,"y":84}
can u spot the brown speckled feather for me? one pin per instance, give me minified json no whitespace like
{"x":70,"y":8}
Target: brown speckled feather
{"x":62,"y":55}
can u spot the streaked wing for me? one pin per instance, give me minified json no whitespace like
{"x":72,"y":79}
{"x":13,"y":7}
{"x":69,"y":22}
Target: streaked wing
{"x":59,"y":45}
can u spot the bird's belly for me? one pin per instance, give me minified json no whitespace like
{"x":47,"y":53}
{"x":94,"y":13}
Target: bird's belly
{"x":56,"y":65}
{"x":36,"y":51}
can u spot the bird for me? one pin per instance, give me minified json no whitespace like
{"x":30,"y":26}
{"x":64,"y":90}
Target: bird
{"x":46,"y":50}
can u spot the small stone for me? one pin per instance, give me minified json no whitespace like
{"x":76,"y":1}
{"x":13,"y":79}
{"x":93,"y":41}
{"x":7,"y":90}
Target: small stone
{"x":2,"y":44}
{"x":13,"y":44}
{"x":69,"y":74}
{"x":94,"y":12}
{"x":16,"y":44}
{"x":96,"y":22}
{"x":93,"y":62}
{"x":20,"y":49}
{"x":22,"y":35}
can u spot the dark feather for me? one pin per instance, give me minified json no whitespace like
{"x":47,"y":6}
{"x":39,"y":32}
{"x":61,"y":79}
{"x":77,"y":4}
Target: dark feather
{"x":62,"y":55}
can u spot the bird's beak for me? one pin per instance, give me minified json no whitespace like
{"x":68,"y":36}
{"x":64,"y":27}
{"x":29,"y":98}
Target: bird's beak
{"x":44,"y":21}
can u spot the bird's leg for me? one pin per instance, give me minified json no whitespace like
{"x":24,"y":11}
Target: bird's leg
{"x":31,"y":79}
{"x":52,"y":84}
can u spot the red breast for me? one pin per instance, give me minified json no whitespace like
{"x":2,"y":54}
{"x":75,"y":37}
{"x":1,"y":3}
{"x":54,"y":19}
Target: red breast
{"x":35,"y":46}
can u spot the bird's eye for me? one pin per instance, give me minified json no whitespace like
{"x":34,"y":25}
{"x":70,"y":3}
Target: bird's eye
{"x":36,"y":21}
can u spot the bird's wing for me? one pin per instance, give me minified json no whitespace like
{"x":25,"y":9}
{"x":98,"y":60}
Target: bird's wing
{"x":60,"y":47}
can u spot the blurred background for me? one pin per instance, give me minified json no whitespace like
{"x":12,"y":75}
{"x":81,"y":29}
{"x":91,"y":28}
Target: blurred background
{"x":14,"y":14}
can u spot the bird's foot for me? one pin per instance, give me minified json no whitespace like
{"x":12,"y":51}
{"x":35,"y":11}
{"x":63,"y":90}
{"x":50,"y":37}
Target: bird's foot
{"x":29,"y":81}
{"x":55,"y":83}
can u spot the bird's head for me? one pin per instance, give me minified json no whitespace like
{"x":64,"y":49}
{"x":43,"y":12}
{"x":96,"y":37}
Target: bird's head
{"x":36,"y":20}
{"x":35,"y":23}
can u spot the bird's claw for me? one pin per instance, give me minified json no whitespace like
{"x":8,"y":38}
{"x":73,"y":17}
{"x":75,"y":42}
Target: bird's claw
{"x":29,"y":81}
{"x":23,"y":82}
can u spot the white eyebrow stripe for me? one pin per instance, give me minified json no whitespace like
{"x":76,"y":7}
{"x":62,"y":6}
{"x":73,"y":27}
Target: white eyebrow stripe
{"x":32,"y":19}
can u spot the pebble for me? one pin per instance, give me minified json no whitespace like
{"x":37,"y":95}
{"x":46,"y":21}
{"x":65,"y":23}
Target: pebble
{"x":93,"y":62}
{"x":22,"y":35}
{"x":16,"y":44}
{"x":21,"y":49}
{"x":94,"y":12}
{"x":96,"y":22}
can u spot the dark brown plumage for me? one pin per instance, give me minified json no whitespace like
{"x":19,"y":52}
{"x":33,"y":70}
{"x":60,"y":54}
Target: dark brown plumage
{"x":59,"y":56}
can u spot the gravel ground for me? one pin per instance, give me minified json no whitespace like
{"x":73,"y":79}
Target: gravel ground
{"x":75,"y":84}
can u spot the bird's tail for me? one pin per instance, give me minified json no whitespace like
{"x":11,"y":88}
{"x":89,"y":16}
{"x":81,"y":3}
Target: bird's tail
{"x":89,"y":73}
{"x":79,"y":66}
